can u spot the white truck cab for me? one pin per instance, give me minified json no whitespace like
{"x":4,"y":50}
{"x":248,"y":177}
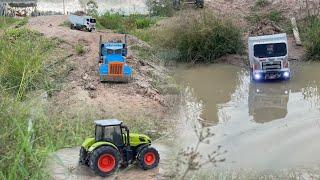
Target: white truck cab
{"x":268,"y":56}
{"x":82,"y":22}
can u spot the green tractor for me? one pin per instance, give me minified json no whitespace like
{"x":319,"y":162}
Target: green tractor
{"x":114,"y":146}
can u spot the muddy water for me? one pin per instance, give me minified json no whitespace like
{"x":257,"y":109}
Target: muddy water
{"x":125,"y":6}
{"x":273,"y":125}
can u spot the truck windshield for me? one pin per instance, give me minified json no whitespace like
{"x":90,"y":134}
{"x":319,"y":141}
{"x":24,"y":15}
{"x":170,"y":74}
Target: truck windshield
{"x":270,"y":50}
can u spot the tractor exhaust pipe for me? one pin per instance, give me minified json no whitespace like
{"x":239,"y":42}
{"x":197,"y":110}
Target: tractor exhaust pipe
{"x":100,"y":43}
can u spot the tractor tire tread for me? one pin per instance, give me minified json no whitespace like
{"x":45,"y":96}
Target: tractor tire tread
{"x":95,"y":157}
{"x":140,"y":158}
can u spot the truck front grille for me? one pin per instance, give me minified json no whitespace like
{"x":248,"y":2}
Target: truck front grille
{"x":116,"y":69}
{"x":274,"y":65}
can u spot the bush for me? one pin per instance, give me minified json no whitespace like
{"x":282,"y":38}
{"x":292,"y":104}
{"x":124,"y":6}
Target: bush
{"x":122,"y":23}
{"x":160,"y":7}
{"x":111,"y":20}
{"x":143,"y":23}
{"x":199,"y":37}
{"x":312,"y":38}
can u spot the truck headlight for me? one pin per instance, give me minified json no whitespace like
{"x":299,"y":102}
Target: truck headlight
{"x":286,"y":74}
{"x":257,"y":76}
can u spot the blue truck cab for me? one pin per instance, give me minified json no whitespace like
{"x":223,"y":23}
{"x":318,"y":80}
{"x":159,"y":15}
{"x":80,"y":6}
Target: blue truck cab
{"x":113,"y":66}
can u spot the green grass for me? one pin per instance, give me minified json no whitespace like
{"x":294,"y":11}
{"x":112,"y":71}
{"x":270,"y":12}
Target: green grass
{"x":22,"y":60}
{"x":79,"y":49}
{"x":197,"y":38}
{"x":24,"y":70}
{"x":6,"y":22}
{"x":310,"y":33}
{"x":275,"y":16}
{"x":124,"y":23}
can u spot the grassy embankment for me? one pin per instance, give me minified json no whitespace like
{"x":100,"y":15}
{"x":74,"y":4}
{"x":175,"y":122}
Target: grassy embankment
{"x":310,"y":34}
{"x":193,"y":37}
{"x":32,"y":69}
{"x":28,"y":131}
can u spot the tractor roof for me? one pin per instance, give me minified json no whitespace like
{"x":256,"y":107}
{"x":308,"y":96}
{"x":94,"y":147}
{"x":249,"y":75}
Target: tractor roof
{"x":108,"y":122}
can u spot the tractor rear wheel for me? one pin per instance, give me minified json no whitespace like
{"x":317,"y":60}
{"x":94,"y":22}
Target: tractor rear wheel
{"x":148,"y":158}
{"x":105,"y":160}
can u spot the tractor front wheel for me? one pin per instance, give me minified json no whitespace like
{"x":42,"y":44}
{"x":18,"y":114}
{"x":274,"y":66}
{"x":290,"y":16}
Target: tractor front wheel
{"x":148,"y":158}
{"x":83,"y":156}
{"x":105,"y":160}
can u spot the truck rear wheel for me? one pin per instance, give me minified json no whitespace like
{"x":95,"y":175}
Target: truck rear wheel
{"x":105,"y":160}
{"x":148,"y":158}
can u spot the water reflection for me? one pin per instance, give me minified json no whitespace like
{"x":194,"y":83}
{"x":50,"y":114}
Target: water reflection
{"x":259,"y":124}
{"x":268,"y":101}
{"x":213,"y":85}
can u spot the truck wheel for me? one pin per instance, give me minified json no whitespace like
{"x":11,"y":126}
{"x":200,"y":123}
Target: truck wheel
{"x":83,"y":156}
{"x":105,"y":160}
{"x":90,"y":30}
{"x":148,"y":158}
{"x":71,"y":26}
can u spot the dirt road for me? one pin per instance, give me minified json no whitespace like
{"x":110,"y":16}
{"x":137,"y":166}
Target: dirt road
{"x":84,"y":89}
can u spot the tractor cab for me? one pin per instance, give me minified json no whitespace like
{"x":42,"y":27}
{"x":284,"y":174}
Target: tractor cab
{"x":113,"y":145}
{"x":111,"y":131}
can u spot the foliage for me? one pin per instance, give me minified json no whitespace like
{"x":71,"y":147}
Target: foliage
{"x":22,"y":55}
{"x":160,"y":7}
{"x":124,"y":23}
{"x":201,"y":37}
{"x":92,"y":8}
{"x":311,"y":34}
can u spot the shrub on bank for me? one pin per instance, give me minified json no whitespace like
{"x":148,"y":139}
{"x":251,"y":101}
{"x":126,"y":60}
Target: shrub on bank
{"x":162,"y":8}
{"x":124,"y":23}
{"x":199,"y":37}
{"x":311,"y":36}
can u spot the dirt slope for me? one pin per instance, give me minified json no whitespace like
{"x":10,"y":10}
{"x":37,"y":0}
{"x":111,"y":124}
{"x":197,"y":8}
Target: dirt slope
{"x":84,"y":89}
